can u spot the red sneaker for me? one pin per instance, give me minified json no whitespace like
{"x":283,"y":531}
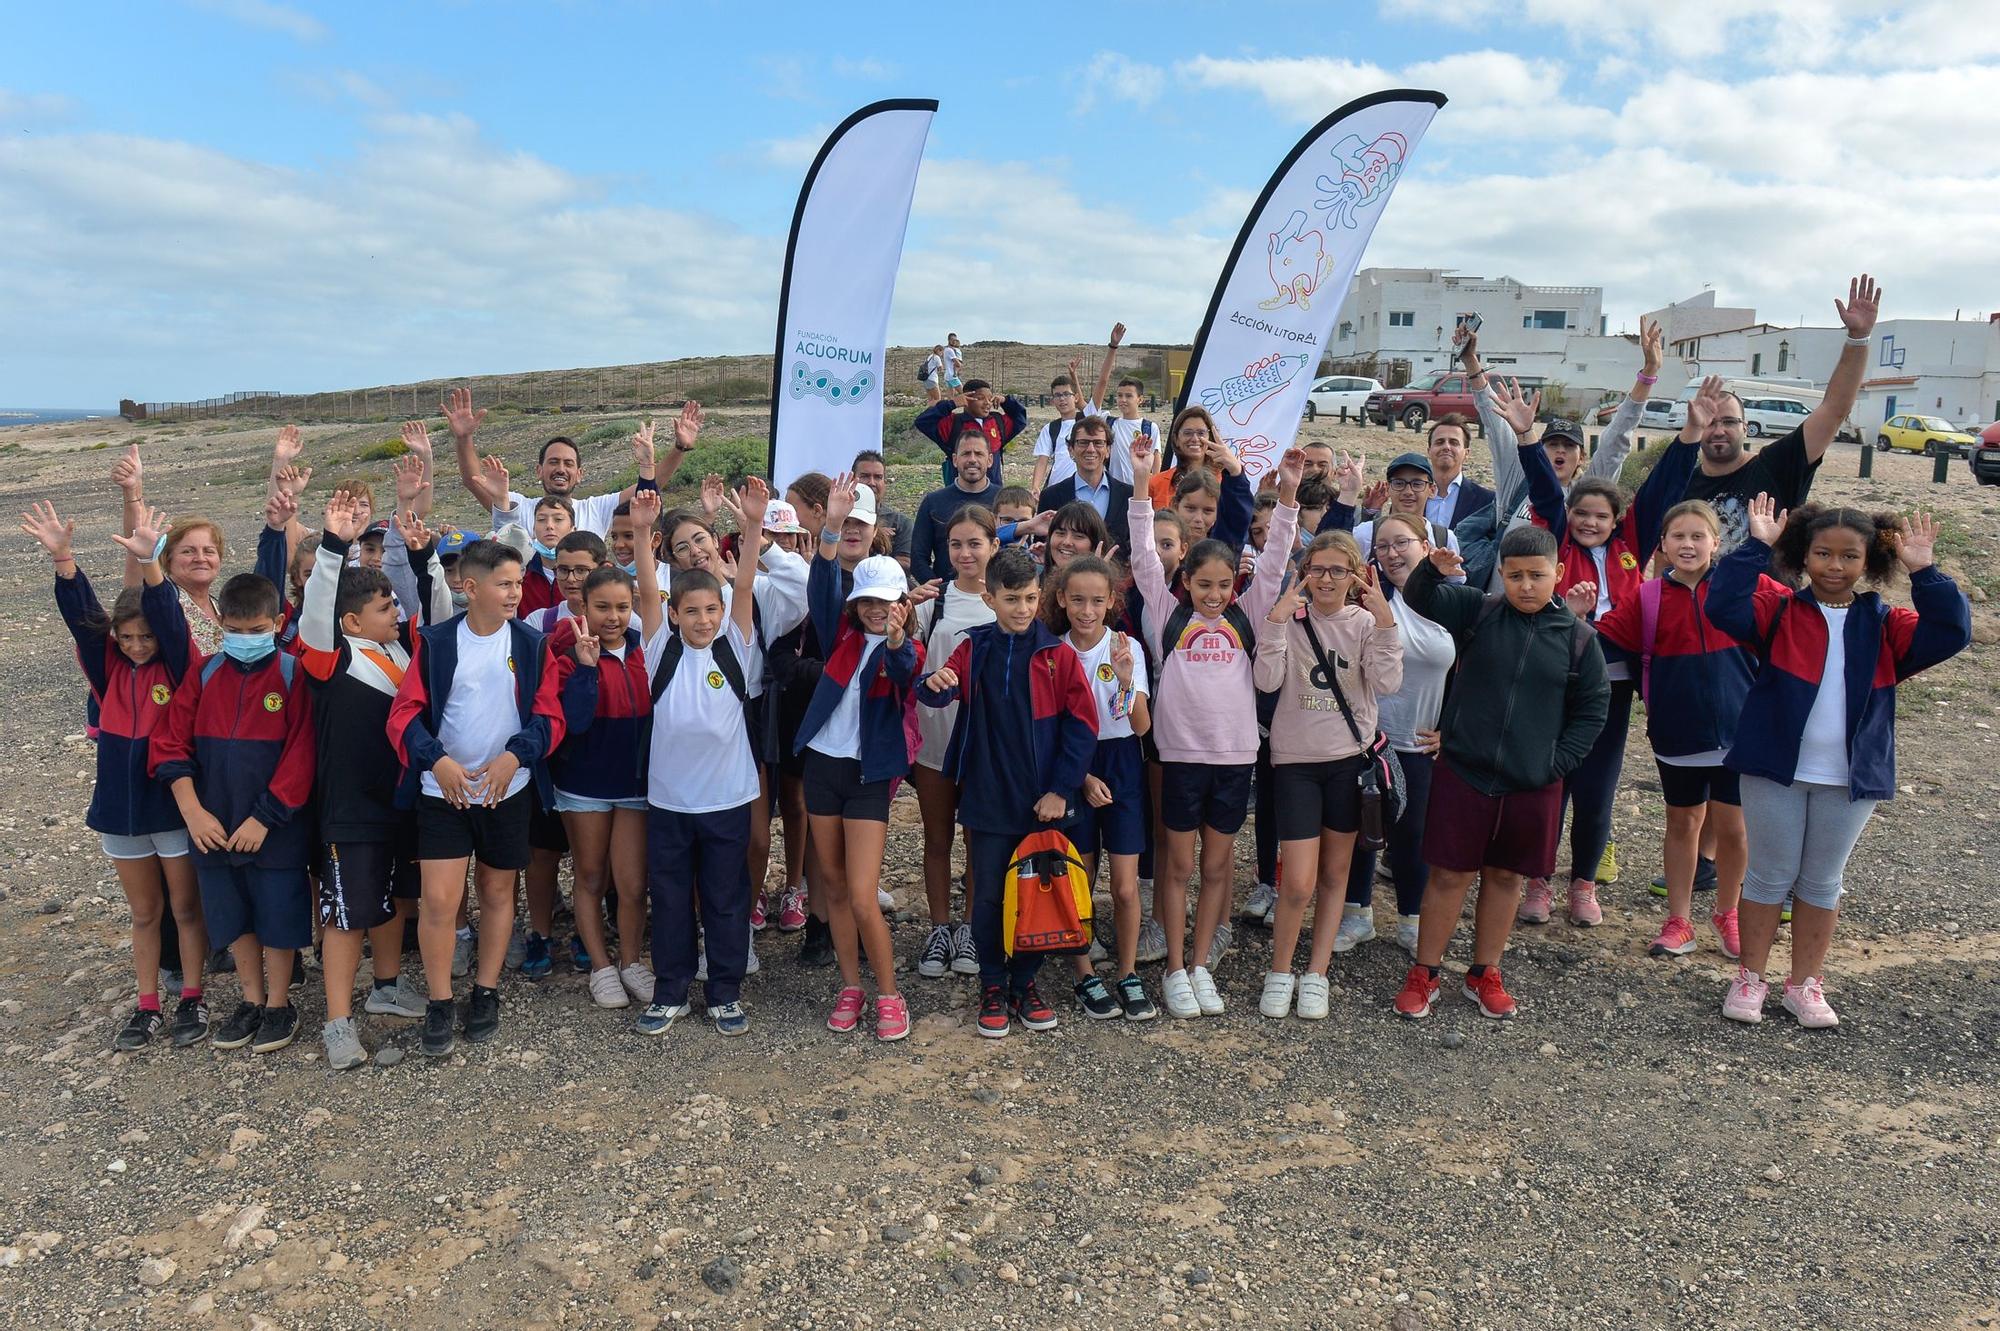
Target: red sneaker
{"x":1419,"y":993}
{"x":759,"y":917}
{"x":993,"y":1022}
{"x":1035,"y":1014}
{"x":1486,"y":990}
{"x":892,"y":1017}
{"x":846,"y":1011}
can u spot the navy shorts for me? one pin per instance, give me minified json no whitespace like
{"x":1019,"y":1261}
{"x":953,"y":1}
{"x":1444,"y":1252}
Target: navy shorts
{"x":545,"y":829}
{"x":1119,"y":828}
{"x":1198,"y":795}
{"x":273,"y":904}
{"x":1692,"y":787}
{"x":1310,"y":798}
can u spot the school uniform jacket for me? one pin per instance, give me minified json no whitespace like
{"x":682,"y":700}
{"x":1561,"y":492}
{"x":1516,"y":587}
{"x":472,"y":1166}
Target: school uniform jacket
{"x":133,"y":702}
{"x":246,"y":738}
{"x":538,"y":586}
{"x":417,"y":714}
{"x":607,"y":719}
{"x":1883,"y":646}
{"x":891,"y":673}
{"x":1699,"y":675}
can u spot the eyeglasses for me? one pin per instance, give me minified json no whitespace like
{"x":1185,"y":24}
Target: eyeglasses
{"x":1728,"y":422}
{"x":1408,"y":482}
{"x":1407,"y":543}
{"x":572,"y":574}
{"x":1332,"y":571}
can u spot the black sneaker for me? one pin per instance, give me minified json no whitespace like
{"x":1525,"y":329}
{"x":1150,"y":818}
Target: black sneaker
{"x":1704,"y":878}
{"x":241,"y":1027}
{"x":1098,"y":1004}
{"x":279,"y":1028}
{"x":190,"y":1023}
{"x":1031,"y":1011}
{"x":817,"y":948}
{"x":482,"y":1015}
{"x":139,"y":1032}
{"x":437,"y":1037}
{"x":1132,"y":997}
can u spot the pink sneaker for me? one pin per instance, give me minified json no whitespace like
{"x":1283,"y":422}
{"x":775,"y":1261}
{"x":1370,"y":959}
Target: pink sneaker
{"x":759,"y":921}
{"x":1536,"y":899}
{"x":1807,"y":1002}
{"x":1584,"y":912}
{"x":846,"y":1011}
{"x":1727,"y":934}
{"x":892,"y":1017}
{"x":1675,"y":939}
{"x":792,"y":910}
{"x":1745,"y":999}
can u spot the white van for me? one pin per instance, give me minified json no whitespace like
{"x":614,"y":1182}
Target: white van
{"x":1772,"y":416}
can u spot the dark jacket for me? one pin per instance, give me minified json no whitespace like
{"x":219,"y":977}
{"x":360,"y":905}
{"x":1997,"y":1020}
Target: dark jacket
{"x":930,"y":542}
{"x":133,"y":703}
{"x":1516,"y":717}
{"x":1117,"y":519}
{"x":417,"y":715}
{"x":941,"y":423}
{"x":1472,"y":496}
{"x":889,"y":673}
{"x":607,"y":719}
{"x":245,"y":736}
{"x":1698,"y":675}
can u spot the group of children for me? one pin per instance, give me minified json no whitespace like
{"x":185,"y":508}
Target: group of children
{"x":342,"y":737}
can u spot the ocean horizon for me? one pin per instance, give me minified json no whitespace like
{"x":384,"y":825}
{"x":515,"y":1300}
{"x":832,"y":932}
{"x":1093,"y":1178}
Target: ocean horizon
{"x":50,"y":415}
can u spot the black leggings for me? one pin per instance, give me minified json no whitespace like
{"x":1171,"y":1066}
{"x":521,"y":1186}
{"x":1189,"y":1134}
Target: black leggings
{"x":1594,"y":783}
{"x":1263,"y":783}
{"x":1406,"y":845}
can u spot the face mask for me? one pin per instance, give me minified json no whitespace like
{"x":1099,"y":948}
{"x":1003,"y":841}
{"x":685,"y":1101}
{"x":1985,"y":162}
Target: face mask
{"x":159,"y":549}
{"x":459,"y":600}
{"x":248,"y":647}
{"x":630,"y":570}
{"x":547,"y":552}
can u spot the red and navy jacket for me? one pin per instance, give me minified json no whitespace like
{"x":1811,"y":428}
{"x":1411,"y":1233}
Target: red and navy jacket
{"x":132,"y":703}
{"x":890,"y":673}
{"x":608,"y":719}
{"x":417,"y":715}
{"x":1883,"y":646}
{"x":1027,"y":726}
{"x":942,"y":423}
{"x":244,"y":734}
{"x":538,"y":587}
{"x":1699,"y":675}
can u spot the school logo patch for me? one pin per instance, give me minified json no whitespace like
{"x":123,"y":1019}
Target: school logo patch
{"x":162,"y":695}
{"x":1105,"y":672}
{"x":715,"y":679}
{"x":510,"y":663}
{"x":274,"y":702}
{"x":1628,"y":561}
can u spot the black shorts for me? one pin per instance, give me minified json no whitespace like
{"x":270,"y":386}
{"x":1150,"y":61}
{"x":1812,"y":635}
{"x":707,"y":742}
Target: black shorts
{"x":834,"y":789}
{"x":793,"y":702}
{"x":496,"y":837}
{"x":1692,"y":787}
{"x":545,"y":827}
{"x":359,"y":882}
{"x":1310,"y":798}
{"x":1198,"y":795}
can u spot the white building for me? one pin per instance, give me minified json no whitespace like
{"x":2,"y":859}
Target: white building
{"x":1940,"y":367}
{"x":1699,"y":316}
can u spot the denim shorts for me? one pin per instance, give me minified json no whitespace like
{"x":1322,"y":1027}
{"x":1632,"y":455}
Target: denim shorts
{"x":171,"y":844}
{"x":568,"y":803}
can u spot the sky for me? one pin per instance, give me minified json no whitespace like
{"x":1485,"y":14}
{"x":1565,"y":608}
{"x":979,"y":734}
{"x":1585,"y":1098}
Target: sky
{"x":219,"y":195}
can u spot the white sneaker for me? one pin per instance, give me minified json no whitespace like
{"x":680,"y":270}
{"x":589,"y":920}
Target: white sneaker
{"x":751,"y":965}
{"x":638,"y":981}
{"x":1152,"y":940}
{"x":1178,"y":994}
{"x":1277,"y":999}
{"x":1312,"y":996}
{"x":884,"y":900}
{"x":701,"y":960}
{"x":964,"y":952}
{"x":1406,"y":933}
{"x":1218,"y":946}
{"x":1259,"y":905}
{"x":1357,"y":926}
{"x":1205,"y":993}
{"x":607,"y":991}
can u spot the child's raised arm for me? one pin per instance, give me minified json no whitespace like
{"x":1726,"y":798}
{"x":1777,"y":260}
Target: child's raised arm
{"x":750,"y":514}
{"x":645,"y":513}
{"x":1941,"y":625}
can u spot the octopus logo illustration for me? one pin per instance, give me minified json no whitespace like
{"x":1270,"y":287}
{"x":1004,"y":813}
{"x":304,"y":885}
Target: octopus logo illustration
{"x":818,"y":383}
{"x":1299,"y":263}
{"x":1241,"y":395}
{"x":1259,"y":453}
{"x":1368,"y":171}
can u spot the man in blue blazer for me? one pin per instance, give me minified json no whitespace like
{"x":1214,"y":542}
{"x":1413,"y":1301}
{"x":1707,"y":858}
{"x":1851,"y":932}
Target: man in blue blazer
{"x":1458,"y":495}
{"x":1093,"y":483}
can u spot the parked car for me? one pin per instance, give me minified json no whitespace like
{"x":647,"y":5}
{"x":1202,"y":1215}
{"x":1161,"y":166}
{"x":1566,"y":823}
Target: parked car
{"x":1984,"y":457}
{"x":1434,"y":395}
{"x":1772,"y":415}
{"x":1929,"y":435}
{"x":1660,"y":413}
{"x":1335,"y":391}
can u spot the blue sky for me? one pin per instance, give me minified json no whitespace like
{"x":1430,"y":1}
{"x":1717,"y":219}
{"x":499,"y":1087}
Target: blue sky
{"x":225,"y":194}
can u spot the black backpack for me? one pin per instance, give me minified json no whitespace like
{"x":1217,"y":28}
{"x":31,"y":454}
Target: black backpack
{"x":725,"y":661}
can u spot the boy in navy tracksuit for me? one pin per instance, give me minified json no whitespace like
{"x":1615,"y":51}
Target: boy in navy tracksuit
{"x":942,"y":422}
{"x":1021,"y":748}
{"x":237,"y":753}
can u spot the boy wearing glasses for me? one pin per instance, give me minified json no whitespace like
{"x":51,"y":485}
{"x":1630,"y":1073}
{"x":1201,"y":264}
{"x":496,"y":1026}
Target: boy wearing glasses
{"x":1409,"y":488}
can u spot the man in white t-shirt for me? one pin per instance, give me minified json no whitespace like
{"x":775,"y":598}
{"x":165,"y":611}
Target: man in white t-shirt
{"x":1128,"y":425}
{"x":954,"y":362}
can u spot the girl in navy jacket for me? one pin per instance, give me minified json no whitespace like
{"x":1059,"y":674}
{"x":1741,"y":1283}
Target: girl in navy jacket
{"x":1816,"y":743}
{"x":135,"y":658}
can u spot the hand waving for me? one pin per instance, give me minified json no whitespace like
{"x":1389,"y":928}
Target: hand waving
{"x":342,"y":516}
{"x":458,"y":414}
{"x":1918,"y":542}
{"x":56,"y":534}
{"x":1767,"y":521}
{"x":687,"y":427}
{"x":1863,"y":305}
{"x":1581,"y":599}
{"x":1515,"y":409}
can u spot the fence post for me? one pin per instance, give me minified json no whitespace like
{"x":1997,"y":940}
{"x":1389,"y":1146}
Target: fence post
{"x":1940,"y":468}
{"x":1867,"y":460}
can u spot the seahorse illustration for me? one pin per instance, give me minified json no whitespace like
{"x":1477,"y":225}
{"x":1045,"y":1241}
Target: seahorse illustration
{"x":1367,"y":172}
{"x":1299,"y":263}
{"x":1244,"y":393}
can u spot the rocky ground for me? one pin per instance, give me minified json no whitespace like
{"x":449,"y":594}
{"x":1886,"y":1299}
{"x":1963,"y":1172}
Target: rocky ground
{"x":1617,"y":1156}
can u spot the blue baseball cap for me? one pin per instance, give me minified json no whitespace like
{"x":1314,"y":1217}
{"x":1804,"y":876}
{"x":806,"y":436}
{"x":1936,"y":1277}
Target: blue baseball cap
{"x":453,"y":542}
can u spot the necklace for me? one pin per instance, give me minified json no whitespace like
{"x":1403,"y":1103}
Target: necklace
{"x":1837,"y":605}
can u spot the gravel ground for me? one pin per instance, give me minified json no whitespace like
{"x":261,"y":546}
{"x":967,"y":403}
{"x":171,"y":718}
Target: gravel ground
{"x":1617,"y":1156}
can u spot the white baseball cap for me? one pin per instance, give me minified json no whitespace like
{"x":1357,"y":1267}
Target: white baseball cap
{"x":864,"y":505}
{"x":780,"y":516}
{"x":880,"y":577}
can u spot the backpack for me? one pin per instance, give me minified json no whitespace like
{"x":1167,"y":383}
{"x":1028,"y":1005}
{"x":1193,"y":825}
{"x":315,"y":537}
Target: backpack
{"x":287,"y":667}
{"x":725,"y":661}
{"x":1045,"y":901}
{"x":1177,"y":623}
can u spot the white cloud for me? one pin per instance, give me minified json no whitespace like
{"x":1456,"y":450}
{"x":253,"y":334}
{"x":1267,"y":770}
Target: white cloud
{"x":866,"y":70}
{"x":33,"y":107}
{"x":270,"y":17}
{"x":795,"y":152}
{"x":1113,"y":77}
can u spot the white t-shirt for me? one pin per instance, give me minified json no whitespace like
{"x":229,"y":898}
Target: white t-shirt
{"x":840,"y":737}
{"x":1104,"y":681}
{"x":1428,"y":652}
{"x":592,"y":514}
{"x":931,"y":366}
{"x":1122,"y":434}
{"x":954,"y":362}
{"x":1823,"y":746}
{"x":700,"y":759}
{"x":1052,"y":442}
{"x":481,"y":714}
{"x":962,"y":610}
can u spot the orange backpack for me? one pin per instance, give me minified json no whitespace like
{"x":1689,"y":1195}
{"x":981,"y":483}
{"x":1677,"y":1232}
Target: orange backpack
{"x":1046,"y":906}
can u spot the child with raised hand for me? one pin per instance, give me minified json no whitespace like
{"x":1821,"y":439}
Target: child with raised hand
{"x":1814,"y":765}
{"x":135,"y":657}
{"x":578,"y":555}
{"x":855,"y":748}
{"x":1205,"y":718}
{"x":1328,"y":655}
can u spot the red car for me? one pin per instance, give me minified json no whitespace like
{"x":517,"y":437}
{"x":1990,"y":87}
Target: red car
{"x":1434,"y":395}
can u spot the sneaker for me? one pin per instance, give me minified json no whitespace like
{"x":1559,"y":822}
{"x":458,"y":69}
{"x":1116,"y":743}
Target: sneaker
{"x":760,"y":920}
{"x":1313,"y":994}
{"x":401,"y":999}
{"x":1584,"y":912}
{"x":482,"y":1015}
{"x":1807,"y":1003}
{"x":885,"y":901}
{"x":1218,"y":946}
{"x":464,"y":950}
{"x":729,"y":1019}
{"x":659,"y":1018}
{"x":892,"y":1017}
{"x":792,"y":910}
{"x":750,"y":963}
{"x":1744,"y":1001}
{"x":1132,"y":998}
{"x":535,"y":960}
{"x":993,"y":1019}
{"x":1675,"y":939}
{"x":846,"y":1013}
{"x":638,"y":981}
{"x":1178,"y":992}
{"x":1704,"y":878}
{"x":1418,"y":995}
{"x":221,"y":961}
{"x":1607,"y":868}
{"x":934,"y":962}
{"x":607,"y":991}
{"x":1357,"y":926}
{"x":1492,"y":997}
{"x":1096,"y":1000}
{"x":1205,"y":994}
{"x":1259,"y":905}
{"x":1279,"y":987}
{"x":964,"y":952}
{"x":816,"y":949}
{"x":278,"y":1027}
{"x":579,"y":955}
{"x":1035,"y":1014}
{"x":1536,"y":898}
{"x":140,"y":1030}
{"x":437,"y":1039}
{"x":517,"y":949}
{"x":1727,"y":934}
{"x":190,"y":1023}
{"x":1406,"y":933}
{"x":170,"y":982}
{"x":241,"y":1027}
{"x":1152,"y":941}
{"x":343,"y":1046}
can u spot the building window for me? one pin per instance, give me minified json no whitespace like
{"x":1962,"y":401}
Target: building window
{"x":1346,"y":331}
{"x":1402,"y":318}
{"x":1757,"y":363}
{"x":1784,"y":356}
{"x":1553,"y":319}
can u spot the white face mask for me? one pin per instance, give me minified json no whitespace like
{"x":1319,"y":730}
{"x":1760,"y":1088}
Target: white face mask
{"x":459,"y":600}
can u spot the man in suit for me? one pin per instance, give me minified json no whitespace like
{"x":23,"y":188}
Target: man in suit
{"x":1092,"y":482}
{"x":1458,"y":496}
